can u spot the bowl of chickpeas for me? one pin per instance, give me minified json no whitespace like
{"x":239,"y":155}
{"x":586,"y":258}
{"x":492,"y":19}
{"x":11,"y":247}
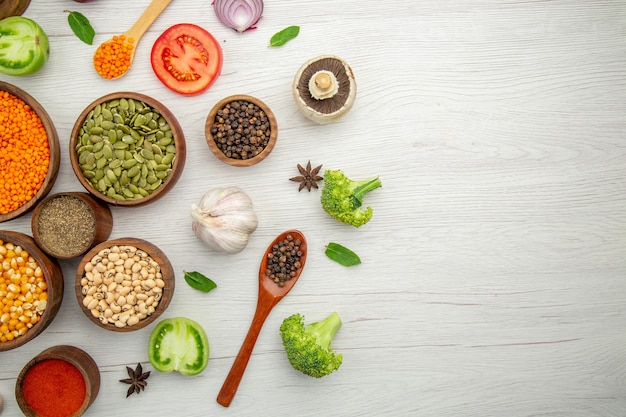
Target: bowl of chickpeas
{"x":124,"y":284}
{"x":31,"y":289}
{"x":30,"y":153}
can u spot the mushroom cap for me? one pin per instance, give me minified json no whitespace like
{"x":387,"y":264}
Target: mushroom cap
{"x":330,"y":109}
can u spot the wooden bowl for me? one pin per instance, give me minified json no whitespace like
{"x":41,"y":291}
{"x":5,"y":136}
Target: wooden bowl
{"x":105,"y":314}
{"x":237,"y":160}
{"x":66,"y":225}
{"x":136,"y":137}
{"x":53,"y":143}
{"x":54,"y":280}
{"x":13,"y":7}
{"x":74,"y":356}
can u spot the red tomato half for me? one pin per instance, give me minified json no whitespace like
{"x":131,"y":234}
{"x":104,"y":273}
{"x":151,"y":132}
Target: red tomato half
{"x":186,"y":58}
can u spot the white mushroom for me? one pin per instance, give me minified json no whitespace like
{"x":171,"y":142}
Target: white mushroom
{"x":324,"y":88}
{"x":323,"y":84}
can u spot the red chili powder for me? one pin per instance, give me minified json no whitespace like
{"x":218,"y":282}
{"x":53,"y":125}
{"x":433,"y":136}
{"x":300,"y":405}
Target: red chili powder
{"x":54,"y":388}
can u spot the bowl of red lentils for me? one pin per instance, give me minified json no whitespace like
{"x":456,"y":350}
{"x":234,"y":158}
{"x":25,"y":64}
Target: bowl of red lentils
{"x":62,"y":380}
{"x":127,"y":149}
{"x":241,"y":130}
{"x":29,"y":152}
{"x":124,"y":284}
{"x":31,"y":289}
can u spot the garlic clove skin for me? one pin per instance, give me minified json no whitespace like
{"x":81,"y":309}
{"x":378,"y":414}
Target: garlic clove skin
{"x":224,"y":219}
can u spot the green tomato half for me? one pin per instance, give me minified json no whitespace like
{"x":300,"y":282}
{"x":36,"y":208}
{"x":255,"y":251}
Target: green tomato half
{"x":24,"y":47}
{"x":178,"y":344}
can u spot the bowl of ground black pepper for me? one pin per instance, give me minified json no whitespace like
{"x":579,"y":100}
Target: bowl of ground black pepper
{"x":62,"y":380}
{"x":29,"y":152}
{"x":66,"y":225}
{"x":127,"y":149}
{"x":31,"y":289}
{"x":241,"y":130}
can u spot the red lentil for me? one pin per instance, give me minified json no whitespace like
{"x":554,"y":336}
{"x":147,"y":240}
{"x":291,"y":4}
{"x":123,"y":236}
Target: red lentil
{"x":24,"y":153}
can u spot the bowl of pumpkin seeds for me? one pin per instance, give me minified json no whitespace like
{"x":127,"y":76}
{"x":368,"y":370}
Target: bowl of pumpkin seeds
{"x":127,"y":149}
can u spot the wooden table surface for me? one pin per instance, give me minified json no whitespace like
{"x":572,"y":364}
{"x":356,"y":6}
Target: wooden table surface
{"x":493,"y":280}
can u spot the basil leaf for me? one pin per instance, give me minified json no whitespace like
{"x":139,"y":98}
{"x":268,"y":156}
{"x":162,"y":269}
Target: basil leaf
{"x":81,"y":27}
{"x":285,"y":35}
{"x":199,"y":282}
{"x":342,"y":255}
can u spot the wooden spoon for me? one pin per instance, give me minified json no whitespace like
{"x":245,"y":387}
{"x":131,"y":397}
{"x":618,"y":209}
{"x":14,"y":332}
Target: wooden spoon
{"x":269,"y":295}
{"x":135,"y":33}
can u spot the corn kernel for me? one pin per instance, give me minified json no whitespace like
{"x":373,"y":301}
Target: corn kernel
{"x":21,"y":284}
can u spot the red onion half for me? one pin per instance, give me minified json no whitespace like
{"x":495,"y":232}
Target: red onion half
{"x":240,"y":15}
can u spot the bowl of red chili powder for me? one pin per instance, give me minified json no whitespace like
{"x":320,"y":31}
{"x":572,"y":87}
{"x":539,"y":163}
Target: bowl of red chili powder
{"x":62,"y":381}
{"x":29,"y":152}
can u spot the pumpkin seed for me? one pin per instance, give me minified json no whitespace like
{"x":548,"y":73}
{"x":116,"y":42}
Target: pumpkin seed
{"x":115,"y":163}
{"x":107,"y":114}
{"x":134,"y":171}
{"x":97,"y":147}
{"x":167,"y":159}
{"x":129,"y":163}
{"x":124,"y":180}
{"x":111,"y":176}
{"x":147,"y":153}
{"x":107,"y":125}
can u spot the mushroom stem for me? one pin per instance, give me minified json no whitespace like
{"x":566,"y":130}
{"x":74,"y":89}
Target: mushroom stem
{"x":323,"y":84}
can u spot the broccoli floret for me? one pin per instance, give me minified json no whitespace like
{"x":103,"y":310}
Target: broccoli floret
{"x":342,"y":197}
{"x":308,"y":345}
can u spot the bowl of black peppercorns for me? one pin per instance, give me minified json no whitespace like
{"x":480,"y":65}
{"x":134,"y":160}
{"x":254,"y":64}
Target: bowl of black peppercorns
{"x":241,"y":130}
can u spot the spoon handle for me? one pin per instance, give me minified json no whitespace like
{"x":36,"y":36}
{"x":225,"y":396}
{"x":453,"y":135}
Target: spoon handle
{"x":149,"y":15}
{"x":229,"y":388}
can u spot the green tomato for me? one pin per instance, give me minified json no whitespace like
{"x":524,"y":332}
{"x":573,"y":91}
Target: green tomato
{"x":178,"y":344}
{"x":24,"y":47}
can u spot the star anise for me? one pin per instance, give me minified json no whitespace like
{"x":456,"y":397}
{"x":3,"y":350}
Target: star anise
{"x":137,"y":379}
{"x":308,"y":178}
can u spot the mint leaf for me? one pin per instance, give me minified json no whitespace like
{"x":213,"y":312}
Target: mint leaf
{"x":285,"y":35}
{"x":342,"y":255}
{"x":81,"y":27}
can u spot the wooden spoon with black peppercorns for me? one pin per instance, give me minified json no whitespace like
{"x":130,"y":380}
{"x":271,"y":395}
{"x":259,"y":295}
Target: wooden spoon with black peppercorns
{"x":289,"y":248}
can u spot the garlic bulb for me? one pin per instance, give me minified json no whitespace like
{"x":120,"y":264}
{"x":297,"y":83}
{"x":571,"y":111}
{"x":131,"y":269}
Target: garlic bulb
{"x":224,"y":219}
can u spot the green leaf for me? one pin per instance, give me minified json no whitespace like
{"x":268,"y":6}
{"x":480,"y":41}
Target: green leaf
{"x":81,"y":27}
{"x":199,"y":282}
{"x":342,"y":255}
{"x":285,"y":35}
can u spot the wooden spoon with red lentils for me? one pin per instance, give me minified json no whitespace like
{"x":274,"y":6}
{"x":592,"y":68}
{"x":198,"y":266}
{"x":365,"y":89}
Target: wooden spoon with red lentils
{"x":113,"y":57}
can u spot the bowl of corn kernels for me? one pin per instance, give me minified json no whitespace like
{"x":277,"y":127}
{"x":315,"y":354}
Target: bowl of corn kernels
{"x":31,"y":289}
